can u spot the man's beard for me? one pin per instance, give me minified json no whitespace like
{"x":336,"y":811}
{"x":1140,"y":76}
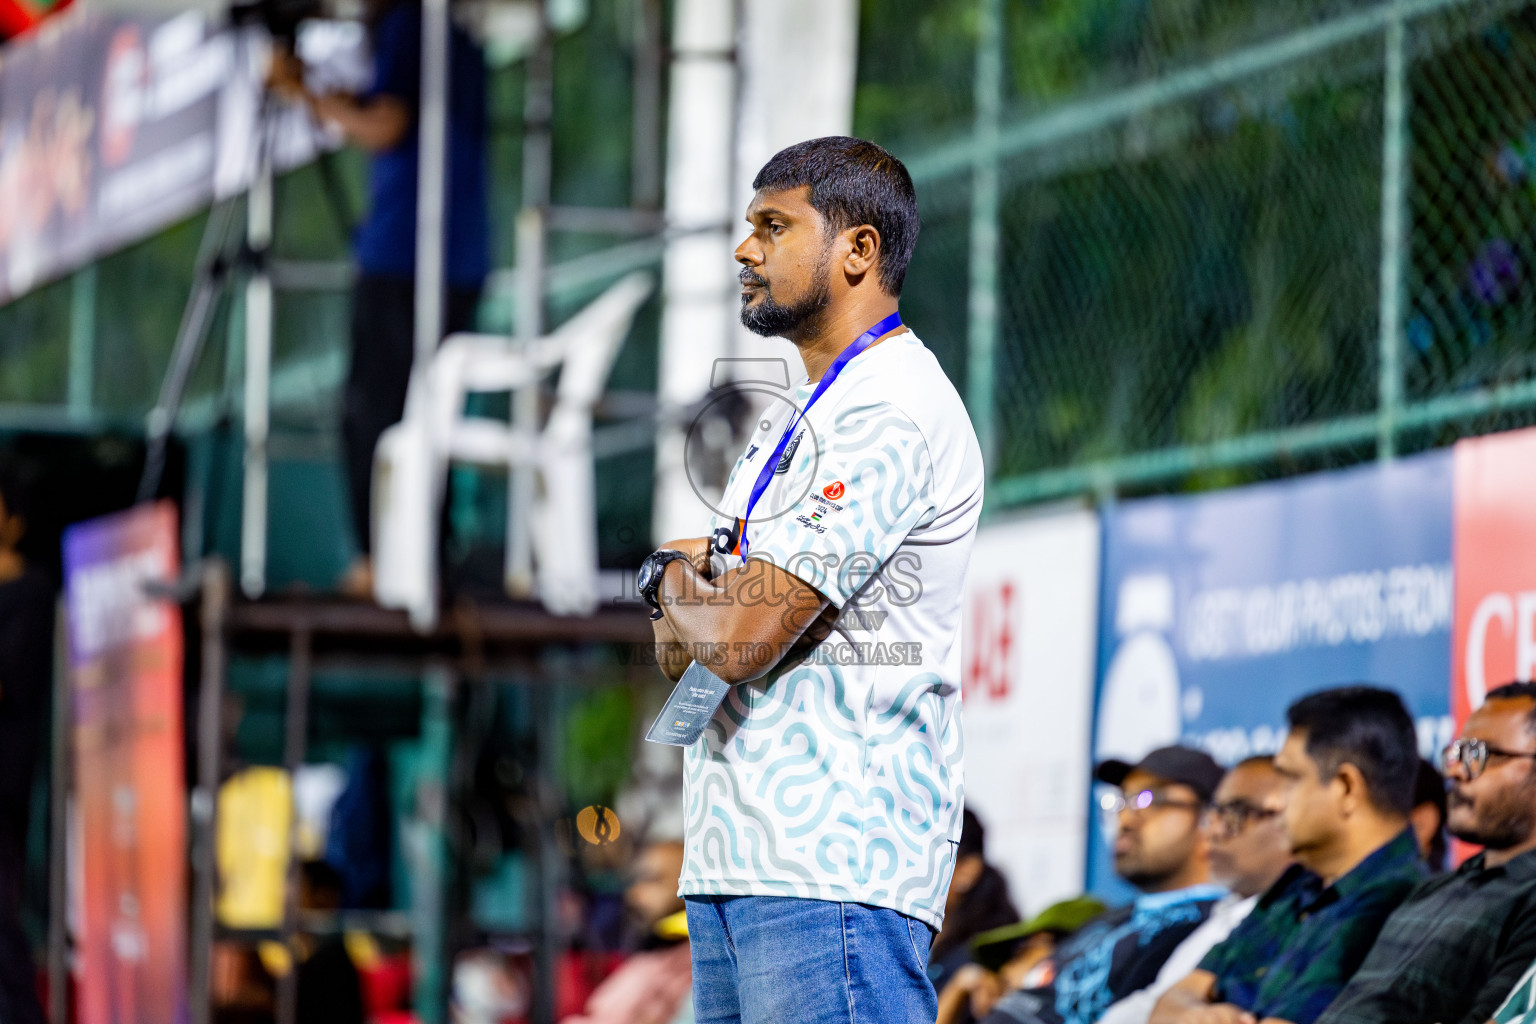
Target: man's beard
{"x":1504,"y":826}
{"x":773,"y":319}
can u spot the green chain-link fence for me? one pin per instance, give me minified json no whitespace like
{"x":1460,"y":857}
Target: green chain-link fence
{"x":1208,"y":241}
{"x":1166,"y":244}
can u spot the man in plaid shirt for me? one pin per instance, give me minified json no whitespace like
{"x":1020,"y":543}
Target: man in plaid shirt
{"x":1455,"y":948}
{"x":1350,"y":760}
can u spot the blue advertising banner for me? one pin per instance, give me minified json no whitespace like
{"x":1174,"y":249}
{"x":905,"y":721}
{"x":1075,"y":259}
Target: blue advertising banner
{"x":1219,"y":610}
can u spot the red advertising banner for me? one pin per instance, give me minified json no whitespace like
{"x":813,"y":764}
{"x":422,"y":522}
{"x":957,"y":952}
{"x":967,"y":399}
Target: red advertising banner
{"x":125,"y":652}
{"x":1495,"y":558}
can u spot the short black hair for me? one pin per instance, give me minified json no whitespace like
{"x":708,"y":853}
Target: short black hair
{"x":324,"y":882}
{"x":1369,"y":728}
{"x":14,"y":492}
{"x":1516,"y":691}
{"x":973,"y":836}
{"x":1429,"y":787}
{"x":853,"y":182}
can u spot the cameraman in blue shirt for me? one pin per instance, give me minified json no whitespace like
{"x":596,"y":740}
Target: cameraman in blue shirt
{"x":383,"y":121}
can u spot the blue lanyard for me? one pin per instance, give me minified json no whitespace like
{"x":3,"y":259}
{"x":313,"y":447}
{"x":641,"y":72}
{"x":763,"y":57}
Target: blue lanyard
{"x":845,"y":357}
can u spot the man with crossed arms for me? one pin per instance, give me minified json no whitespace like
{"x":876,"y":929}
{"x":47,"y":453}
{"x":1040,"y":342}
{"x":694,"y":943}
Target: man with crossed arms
{"x":824,"y":799}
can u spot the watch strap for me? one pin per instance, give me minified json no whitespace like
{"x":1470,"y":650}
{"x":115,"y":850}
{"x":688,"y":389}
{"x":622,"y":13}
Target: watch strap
{"x":658,"y":560}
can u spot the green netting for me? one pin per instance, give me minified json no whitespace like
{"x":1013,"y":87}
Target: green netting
{"x":1190,"y":213}
{"x":1060,"y":50}
{"x":1208,"y":270}
{"x":34,"y":332}
{"x":1473,"y":205}
{"x":1190,"y":220}
{"x":936,"y":278}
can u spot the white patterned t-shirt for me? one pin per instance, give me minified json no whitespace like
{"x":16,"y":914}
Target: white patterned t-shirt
{"x":837,"y":775}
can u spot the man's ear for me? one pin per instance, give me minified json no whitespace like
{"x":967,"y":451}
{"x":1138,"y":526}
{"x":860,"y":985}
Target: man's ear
{"x":1353,"y":790}
{"x":864,"y":244}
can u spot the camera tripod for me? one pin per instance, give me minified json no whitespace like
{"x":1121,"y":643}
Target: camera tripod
{"x":227,"y":257}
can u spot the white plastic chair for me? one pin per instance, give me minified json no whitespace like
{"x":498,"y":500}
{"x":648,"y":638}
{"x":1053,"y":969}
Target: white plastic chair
{"x":411,"y":462}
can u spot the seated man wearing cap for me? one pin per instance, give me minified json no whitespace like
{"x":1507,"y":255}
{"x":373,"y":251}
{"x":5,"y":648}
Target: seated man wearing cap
{"x":1350,"y":761}
{"x":1161,"y":850}
{"x":1249,"y":852}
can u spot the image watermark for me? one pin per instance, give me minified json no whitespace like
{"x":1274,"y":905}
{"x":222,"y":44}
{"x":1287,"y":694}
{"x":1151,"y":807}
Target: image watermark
{"x":747,"y":654}
{"x":753,"y":423}
{"x":736,"y":386}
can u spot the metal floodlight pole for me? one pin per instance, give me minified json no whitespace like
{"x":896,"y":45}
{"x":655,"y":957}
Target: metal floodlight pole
{"x":295,"y":749}
{"x":1394,"y":214}
{"x":205,"y":795}
{"x":431,"y":205}
{"x":433,"y":878}
{"x":981,"y":332}
{"x":82,"y":342}
{"x":647,"y":172}
{"x":258,"y":375}
{"x":530,"y":274}
{"x":432,"y":142}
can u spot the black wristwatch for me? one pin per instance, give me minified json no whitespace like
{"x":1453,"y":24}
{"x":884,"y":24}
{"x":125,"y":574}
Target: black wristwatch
{"x":648,"y":579}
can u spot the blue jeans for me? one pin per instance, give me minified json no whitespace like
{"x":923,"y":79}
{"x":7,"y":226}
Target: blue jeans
{"x":776,"y":960}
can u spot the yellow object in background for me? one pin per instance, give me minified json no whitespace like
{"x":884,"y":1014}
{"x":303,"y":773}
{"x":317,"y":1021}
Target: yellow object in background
{"x":673,"y":927}
{"x":363,"y":948}
{"x":598,"y":825}
{"x":254,"y":816}
{"x":275,"y":957}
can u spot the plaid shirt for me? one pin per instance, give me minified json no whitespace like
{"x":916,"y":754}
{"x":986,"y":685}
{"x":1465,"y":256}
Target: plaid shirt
{"x":1452,"y":952}
{"x":1302,"y":942}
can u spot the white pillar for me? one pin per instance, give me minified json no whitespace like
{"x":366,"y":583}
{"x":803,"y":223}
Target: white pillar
{"x":799,"y":60}
{"x":796,"y":77}
{"x":698,"y":275}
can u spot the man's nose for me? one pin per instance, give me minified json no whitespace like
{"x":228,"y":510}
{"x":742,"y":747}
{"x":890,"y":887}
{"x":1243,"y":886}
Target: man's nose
{"x":748,"y":255}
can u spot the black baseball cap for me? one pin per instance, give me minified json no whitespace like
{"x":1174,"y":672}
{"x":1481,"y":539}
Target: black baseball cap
{"x":1184,"y":765}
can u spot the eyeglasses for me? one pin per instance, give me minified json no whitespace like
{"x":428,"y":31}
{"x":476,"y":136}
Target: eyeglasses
{"x":1233,"y":817}
{"x":1473,"y":756}
{"x":1140,"y":803}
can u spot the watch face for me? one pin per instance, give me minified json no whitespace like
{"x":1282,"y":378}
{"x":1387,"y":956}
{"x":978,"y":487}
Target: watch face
{"x":647,"y":571}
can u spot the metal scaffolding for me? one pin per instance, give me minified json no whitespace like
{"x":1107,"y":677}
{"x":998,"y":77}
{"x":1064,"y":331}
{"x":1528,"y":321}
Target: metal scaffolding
{"x":470,"y":649}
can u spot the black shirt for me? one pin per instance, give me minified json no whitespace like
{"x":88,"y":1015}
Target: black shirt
{"x":1451,"y":952}
{"x":330,"y":990}
{"x":26,"y":677}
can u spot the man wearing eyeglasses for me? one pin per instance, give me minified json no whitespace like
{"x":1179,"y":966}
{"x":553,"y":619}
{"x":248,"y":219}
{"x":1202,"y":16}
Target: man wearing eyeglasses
{"x":1457,"y":946}
{"x":1161,"y":849}
{"x":1349,"y":761}
{"x":1249,"y":851}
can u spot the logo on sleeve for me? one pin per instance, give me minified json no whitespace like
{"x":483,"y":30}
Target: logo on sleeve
{"x":750,"y":452}
{"x":789,"y":453}
{"x":821,"y":507}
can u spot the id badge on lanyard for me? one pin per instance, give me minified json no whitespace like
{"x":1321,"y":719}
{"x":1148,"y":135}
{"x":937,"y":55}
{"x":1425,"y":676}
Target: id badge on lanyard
{"x":699,"y":693}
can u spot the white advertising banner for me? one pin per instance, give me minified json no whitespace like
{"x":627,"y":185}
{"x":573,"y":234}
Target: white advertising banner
{"x":1030,"y":641}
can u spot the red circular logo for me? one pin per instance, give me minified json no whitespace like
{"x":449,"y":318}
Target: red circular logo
{"x":833,"y":491}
